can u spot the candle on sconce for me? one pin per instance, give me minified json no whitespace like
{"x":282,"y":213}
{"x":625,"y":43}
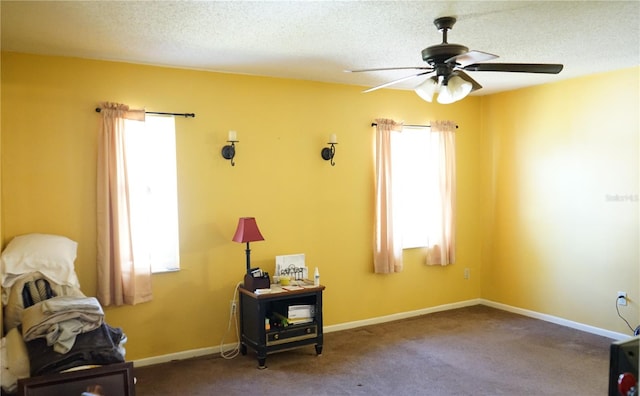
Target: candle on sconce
{"x":329,"y":152}
{"x":233,"y":136}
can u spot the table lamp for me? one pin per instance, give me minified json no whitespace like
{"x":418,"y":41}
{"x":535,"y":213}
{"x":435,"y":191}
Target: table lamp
{"x":246,"y":232}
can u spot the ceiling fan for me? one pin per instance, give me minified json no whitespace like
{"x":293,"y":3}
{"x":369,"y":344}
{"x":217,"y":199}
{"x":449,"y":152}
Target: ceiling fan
{"x":449,"y":62}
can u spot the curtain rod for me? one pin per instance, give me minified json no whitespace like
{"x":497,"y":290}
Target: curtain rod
{"x":185,"y":115}
{"x":410,"y":126}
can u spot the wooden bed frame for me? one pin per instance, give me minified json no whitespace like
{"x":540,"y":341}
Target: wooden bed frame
{"x":112,"y":379}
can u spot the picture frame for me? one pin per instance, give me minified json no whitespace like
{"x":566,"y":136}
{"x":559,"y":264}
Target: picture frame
{"x":111,"y":379}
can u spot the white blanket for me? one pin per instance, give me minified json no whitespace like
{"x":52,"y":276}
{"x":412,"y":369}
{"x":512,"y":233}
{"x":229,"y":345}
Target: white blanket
{"x":15,"y":306}
{"x":60,"y":319}
{"x":15,"y":361}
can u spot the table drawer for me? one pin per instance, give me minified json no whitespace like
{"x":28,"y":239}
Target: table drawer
{"x":296,"y":333}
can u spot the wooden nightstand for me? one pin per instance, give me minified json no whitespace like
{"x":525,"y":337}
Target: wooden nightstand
{"x":256,"y":308}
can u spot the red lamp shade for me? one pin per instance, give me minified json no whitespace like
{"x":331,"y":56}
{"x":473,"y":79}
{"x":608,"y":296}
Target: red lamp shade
{"x":247,"y":231}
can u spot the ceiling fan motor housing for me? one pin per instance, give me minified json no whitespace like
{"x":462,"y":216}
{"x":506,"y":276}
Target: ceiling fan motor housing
{"x":439,"y":53}
{"x":442,"y":58}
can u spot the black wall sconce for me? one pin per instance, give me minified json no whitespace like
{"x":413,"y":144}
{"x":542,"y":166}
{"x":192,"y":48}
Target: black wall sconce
{"x":329,"y":152}
{"x":229,"y":150}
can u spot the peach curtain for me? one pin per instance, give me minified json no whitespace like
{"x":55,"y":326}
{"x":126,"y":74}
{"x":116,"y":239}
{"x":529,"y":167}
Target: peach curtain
{"x":387,"y":252}
{"x":120,"y":281}
{"x":442,"y":250}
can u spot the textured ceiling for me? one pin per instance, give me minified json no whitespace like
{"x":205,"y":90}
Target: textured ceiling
{"x":317,"y":41}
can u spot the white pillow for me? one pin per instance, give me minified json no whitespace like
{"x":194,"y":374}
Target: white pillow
{"x":51,"y":255}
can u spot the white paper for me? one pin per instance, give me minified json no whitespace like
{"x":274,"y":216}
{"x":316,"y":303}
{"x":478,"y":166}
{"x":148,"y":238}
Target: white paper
{"x":292,"y":265}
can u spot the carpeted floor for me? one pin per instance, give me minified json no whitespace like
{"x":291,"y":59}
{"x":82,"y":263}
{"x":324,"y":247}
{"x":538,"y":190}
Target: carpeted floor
{"x":469,"y":351}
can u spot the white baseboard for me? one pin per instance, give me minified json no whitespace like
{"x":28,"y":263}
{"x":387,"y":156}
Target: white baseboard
{"x":389,"y":318}
{"x":554,"y":319}
{"x":192,"y":353}
{"x":400,"y":315}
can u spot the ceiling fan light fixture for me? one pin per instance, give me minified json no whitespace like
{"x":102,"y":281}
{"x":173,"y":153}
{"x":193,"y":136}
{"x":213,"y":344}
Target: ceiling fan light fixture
{"x":445,"y":96}
{"x":427,"y":89}
{"x":458,"y":87}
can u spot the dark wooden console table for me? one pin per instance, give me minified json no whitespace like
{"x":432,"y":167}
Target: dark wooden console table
{"x":255,"y":309}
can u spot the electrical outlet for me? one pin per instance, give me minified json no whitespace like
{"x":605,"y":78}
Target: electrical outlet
{"x":622,"y":298}
{"x":232,"y":306}
{"x":467,"y":273}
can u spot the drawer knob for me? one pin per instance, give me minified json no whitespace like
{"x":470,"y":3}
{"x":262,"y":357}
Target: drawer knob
{"x":276,"y":336}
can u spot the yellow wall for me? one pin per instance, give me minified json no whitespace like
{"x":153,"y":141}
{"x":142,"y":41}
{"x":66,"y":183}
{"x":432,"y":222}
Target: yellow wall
{"x":301,"y":203}
{"x":556,"y":239}
{"x":536,"y":172}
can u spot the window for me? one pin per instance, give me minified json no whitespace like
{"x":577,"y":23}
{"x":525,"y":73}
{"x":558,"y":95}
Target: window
{"x":415,"y":193}
{"x":417,"y":202}
{"x":151,"y":161}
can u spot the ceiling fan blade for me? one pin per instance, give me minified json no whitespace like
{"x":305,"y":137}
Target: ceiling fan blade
{"x":547,"y":68}
{"x":471,"y":57}
{"x":391,"y":68}
{"x":395,"y":81}
{"x":474,"y":84}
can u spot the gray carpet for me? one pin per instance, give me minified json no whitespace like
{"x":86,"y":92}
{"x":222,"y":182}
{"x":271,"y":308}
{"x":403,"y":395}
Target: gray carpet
{"x":469,"y":351}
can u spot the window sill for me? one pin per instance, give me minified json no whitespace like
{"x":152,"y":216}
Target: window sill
{"x":165,"y":271}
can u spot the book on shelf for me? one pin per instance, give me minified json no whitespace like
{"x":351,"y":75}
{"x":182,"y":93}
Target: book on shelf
{"x":295,"y":321}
